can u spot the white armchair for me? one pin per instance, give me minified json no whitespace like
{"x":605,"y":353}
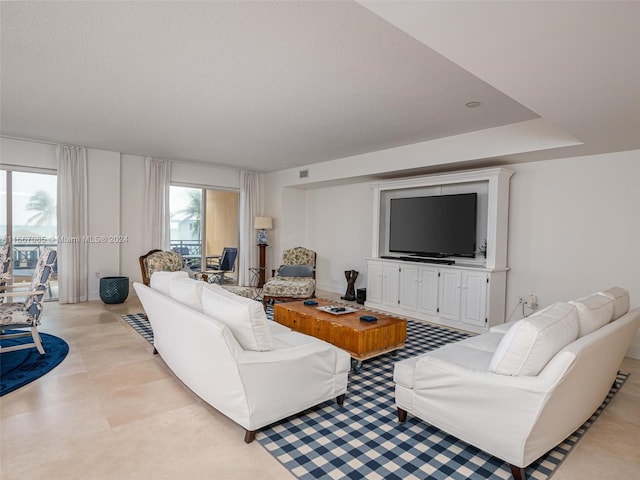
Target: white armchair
{"x":518,"y":417}
{"x":253,"y":370}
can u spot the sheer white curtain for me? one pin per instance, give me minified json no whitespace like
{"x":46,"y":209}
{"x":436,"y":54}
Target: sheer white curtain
{"x":73,"y":277}
{"x":156,"y":232}
{"x":249,"y":209}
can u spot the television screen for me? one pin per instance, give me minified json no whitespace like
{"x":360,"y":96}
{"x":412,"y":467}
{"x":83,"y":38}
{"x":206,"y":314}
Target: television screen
{"x":442,"y":225}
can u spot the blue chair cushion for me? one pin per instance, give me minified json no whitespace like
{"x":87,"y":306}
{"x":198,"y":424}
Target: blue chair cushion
{"x":295,"y":271}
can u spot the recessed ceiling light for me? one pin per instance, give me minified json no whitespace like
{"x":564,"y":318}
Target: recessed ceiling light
{"x":472,"y":104}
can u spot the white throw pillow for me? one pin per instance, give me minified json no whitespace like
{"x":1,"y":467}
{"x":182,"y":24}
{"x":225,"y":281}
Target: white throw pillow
{"x":531,"y":342}
{"x":160,"y":281}
{"x":187,"y":292}
{"x":244,"y":317}
{"x":594,"y":311}
{"x":620,"y":298}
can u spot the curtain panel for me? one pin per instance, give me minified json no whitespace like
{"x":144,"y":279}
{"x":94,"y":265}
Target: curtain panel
{"x":73,"y":277}
{"x":156,"y":232}
{"x":249,"y":209}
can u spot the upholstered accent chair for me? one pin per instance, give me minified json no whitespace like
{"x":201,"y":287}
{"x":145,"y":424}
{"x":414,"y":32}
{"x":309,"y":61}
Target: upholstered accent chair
{"x":27,"y":313}
{"x":159,"y":261}
{"x":295,"y":279}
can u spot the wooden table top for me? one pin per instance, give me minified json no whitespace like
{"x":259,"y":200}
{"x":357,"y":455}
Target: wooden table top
{"x":351,"y":320}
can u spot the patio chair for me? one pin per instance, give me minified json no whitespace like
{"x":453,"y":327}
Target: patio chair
{"x":158,"y":261}
{"x":294,"y":280}
{"x":5,"y":266}
{"x":218,"y":266}
{"x":27,"y":314}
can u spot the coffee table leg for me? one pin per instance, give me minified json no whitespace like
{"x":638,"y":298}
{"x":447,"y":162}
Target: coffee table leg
{"x":356,"y":365}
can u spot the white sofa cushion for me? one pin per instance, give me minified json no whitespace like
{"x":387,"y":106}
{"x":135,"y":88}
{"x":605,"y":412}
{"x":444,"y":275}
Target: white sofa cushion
{"x":160,"y":280}
{"x":620,"y":298}
{"x":244,"y":317}
{"x":531,"y":342}
{"x":186,"y":291}
{"x":594,"y":311}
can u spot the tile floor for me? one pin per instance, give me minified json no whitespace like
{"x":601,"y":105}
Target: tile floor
{"x":112,"y":410}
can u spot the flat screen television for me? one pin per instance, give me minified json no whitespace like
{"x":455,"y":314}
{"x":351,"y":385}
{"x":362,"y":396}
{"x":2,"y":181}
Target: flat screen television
{"x":436,"y":226}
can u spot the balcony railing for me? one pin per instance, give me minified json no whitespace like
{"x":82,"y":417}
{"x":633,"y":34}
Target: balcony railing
{"x":191,"y":251}
{"x":26,"y":255}
{"x":25,"y":258}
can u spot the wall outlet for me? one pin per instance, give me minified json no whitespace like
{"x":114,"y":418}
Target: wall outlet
{"x":530,"y":301}
{"x":97,"y":274}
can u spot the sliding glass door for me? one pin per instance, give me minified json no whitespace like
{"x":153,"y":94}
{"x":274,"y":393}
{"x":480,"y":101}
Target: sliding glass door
{"x":203,"y":222}
{"x":28,"y":221}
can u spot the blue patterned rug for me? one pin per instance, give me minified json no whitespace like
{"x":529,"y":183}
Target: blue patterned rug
{"x":21,"y":367}
{"x":363,"y":439}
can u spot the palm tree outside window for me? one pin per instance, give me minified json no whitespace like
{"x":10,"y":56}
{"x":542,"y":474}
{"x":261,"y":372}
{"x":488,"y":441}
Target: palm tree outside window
{"x":203,"y":222}
{"x":28,"y":220}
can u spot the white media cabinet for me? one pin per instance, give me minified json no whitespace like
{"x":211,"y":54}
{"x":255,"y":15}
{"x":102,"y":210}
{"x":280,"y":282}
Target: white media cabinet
{"x":470,"y":298}
{"x":469,"y":294}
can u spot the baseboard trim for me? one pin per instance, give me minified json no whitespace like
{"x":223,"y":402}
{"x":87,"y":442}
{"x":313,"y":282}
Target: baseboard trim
{"x":634,"y":352}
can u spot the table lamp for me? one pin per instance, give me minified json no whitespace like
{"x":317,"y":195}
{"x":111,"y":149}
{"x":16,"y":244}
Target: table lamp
{"x":262,"y":224}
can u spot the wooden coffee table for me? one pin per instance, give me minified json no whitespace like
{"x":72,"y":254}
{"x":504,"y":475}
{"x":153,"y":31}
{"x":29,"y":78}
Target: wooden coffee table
{"x":360,"y":339}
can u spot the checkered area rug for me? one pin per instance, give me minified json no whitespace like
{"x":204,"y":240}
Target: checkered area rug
{"x":363,"y":439}
{"x":140,"y":324}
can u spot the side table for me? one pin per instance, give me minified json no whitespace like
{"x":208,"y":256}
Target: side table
{"x":256,"y":274}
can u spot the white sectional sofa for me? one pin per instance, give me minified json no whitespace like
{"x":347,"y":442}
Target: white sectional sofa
{"x":522,"y":388}
{"x":224,"y":349}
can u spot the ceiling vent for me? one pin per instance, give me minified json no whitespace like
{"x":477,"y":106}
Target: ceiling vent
{"x":304,"y":173}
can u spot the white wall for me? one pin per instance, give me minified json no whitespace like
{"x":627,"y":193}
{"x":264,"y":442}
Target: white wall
{"x":131,"y":215}
{"x":528,"y":136}
{"x":573,"y":222}
{"x":116,"y":198}
{"x":573,"y":228}
{"x":340,"y":233}
{"x":205,"y":176}
{"x":27,"y":154}
{"x":103,"y":172}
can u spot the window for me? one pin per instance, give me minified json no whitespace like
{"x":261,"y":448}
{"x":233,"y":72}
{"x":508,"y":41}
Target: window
{"x":28,"y":221}
{"x":203,"y":222}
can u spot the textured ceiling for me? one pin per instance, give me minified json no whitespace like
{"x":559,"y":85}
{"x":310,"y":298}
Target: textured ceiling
{"x":272,"y":85}
{"x":255,"y":85}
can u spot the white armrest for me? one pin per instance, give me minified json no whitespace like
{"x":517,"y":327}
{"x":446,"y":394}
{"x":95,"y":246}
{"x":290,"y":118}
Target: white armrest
{"x":294,"y":378}
{"x":503,"y":327}
{"x":291,"y":354}
{"x":430,"y":368}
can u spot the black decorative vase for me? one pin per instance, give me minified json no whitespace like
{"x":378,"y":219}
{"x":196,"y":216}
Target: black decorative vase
{"x":351,"y":276}
{"x":114,"y":289}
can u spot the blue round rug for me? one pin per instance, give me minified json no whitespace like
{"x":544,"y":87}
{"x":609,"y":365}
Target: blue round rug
{"x":24,"y":366}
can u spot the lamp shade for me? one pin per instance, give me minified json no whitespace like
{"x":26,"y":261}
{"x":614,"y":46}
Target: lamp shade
{"x":263,"y":223}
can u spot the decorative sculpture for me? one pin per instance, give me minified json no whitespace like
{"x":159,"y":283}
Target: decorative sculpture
{"x":351,"y":276}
